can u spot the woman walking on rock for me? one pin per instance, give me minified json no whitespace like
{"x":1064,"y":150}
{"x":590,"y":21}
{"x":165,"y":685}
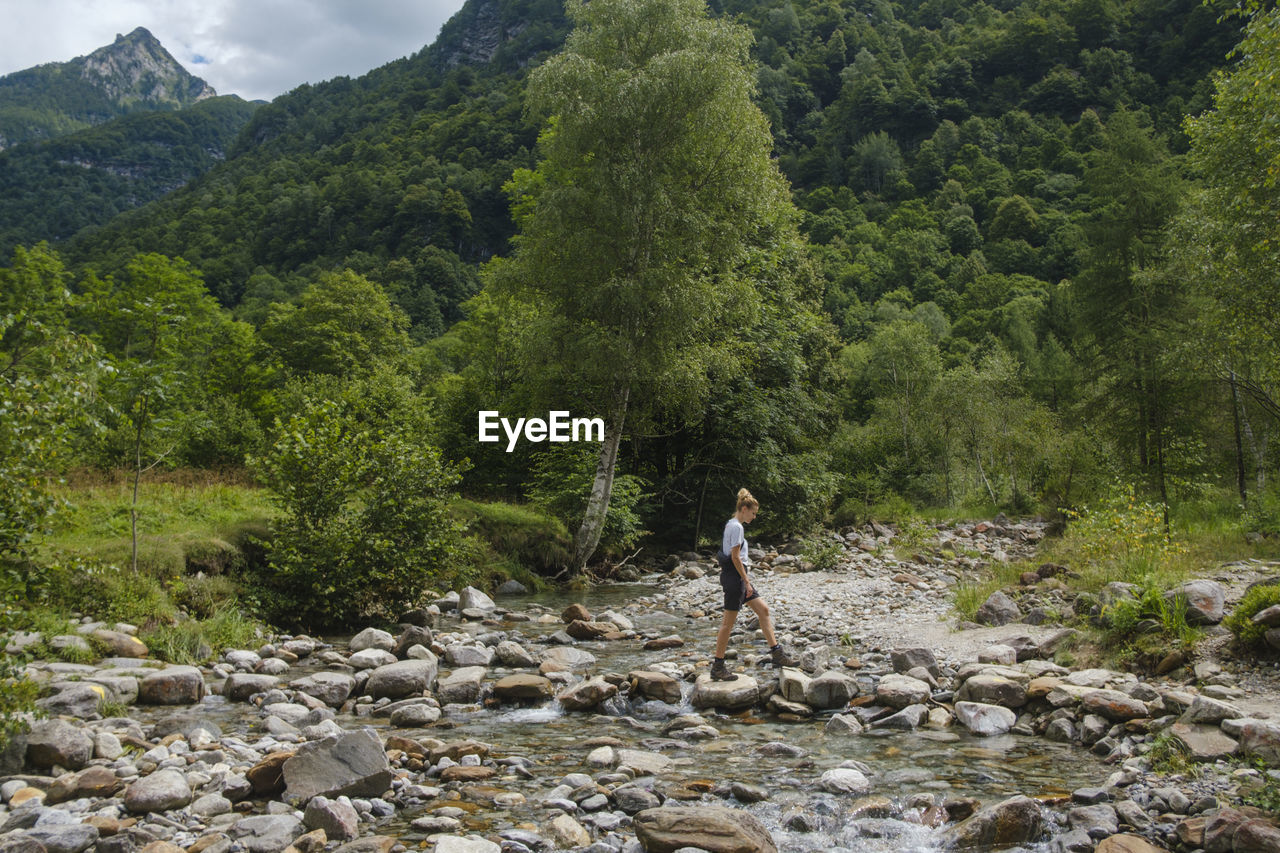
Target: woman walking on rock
{"x":738,"y":589}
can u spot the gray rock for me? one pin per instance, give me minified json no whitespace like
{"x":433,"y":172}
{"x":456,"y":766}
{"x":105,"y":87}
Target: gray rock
{"x":1099,"y":821}
{"x":512,"y":654}
{"x":57,"y":743}
{"x":74,"y":699}
{"x":998,"y":609}
{"x":1211,"y":711}
{"x":1204,"y":742}
{"x":738,"y":694}
{"x":372,"y":638}
{"x":211,"y":805}
{"x":239,"y":686}
{"x":832,"y":689}
{"x":465,"y":844}
{"x":331,"y":688}
{"x":354,"y":764}
{"x":414,"y":716}
{"x":671,"y":828}
{"x":844,"y":780}
{"x":266,"y":833}
{"x":843,"y":724}
{"x":792,"y":684}
{"x":370,"y":659}
{"x":587,"y":694}
{"x":990,"y":689}
{"x":161,"y":791}
{"x":403,"y":678}
{"x":985,"y":720}
{"x":568,"y":658}
{"x":1017,"y":820}
{"x":905,"y":660}
{"x":338,"y":818}
{"x":174,"y":685}
{"x":462,"y":685}
{"x":1204,"y":601}
{"x":414,"y":635}
{"x":466,"y":655}
{"x":1060,"y":731}
{"x":908,"y":719}
{"x":632,"y":799}
{"x":471,"y":598}
{"x":512,"y":587}
{"x":66,"y":838}
{"x":899,"y":691}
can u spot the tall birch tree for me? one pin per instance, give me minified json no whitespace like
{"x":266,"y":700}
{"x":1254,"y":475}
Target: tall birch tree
{"x":654,"y":192}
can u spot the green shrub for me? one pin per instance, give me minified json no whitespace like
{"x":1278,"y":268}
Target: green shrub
{"x":1124,"y":618}
{"x":1262,"y":514}
{"x":1240,"y":621}
{"x":17,"y":696}
{"x":526,"y":535}
{"x":204,"y":595}
{"x":195,"y":641}
{"x":561,"y":483}
{"x":823,"y":553}
{"x":365,"y":523}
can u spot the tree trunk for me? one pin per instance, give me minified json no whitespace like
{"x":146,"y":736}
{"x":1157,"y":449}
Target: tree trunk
{"x":584,"y":544}
{"x":1235,"y":420}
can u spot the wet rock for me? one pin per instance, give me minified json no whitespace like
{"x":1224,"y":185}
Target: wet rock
{"x":567,"y":833}
{"x":792,"y":684}
{"x":174,"y":685}
{"x":632,"y":799}
{"x":159,"y":792}
{"x":266,"y":833}
{"x":582,"y":630}
{"x":671,"y":641}
{"x":1060,"y":731}
{"x":465,"y":844}
{"x":654,"y":685}
{"x":899,"y":691}
{"x":575,"y":612}
{"x":354,"y":764}
{"x":239,"y":686}
{"x":567,"y":659}
{"x":587,"y":694}
{"x":338,"y":818}
{"x":738,"y":694}
{"x":998,"y":609}
{"x":643,"y":763}
{"x":514,"y":655}
{"x":746,"y":793}
{"x":518,"y":688}
{"x":1204,"y":601}
{"x":711,"y":828}
{"x":1017,"y":820}
{"x":832,"y":689}
{"x":462,"y":685}
{"x":844,"y":780}
{"x":57,"y":743}
{"x":843,"y":724}
{"x":403,"y":678}
{"x":985,"y":720}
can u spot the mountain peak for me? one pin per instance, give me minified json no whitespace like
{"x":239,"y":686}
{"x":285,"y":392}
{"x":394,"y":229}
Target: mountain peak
{"x":137,"y":68}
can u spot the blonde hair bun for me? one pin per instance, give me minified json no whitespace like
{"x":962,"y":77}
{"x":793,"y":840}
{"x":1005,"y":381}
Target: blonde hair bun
{"x":745,"y":498}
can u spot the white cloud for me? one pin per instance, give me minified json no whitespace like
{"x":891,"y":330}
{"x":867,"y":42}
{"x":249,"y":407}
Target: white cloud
{"x":251,"y":48}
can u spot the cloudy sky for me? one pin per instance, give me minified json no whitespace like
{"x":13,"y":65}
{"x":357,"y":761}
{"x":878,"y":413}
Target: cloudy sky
{"x":251,"y":48}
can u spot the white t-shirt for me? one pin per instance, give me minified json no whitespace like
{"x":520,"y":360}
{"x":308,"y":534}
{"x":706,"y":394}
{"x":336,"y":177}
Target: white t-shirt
{"x":735,"y":534}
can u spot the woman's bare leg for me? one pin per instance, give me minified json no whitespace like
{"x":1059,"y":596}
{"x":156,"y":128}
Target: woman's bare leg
{"x":726,"y":627}
{"x":766,"y":622}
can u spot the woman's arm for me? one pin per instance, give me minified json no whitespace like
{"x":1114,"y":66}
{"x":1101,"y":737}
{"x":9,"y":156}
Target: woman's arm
{"x":737,"y":563}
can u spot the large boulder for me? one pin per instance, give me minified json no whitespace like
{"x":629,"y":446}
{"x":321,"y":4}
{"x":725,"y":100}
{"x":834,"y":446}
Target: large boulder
{"x":832,"y":689}
{"x":998,"y":609}
{"x":239,"y":686}
{"x":468,"y":654}
{"x":905,"y":660}
{"x":518,"y":688}
{"x":990,"y":689}
{"x":97,"y":782}
{"x":1260,"y":739}
{"x":353,"y":764}
{"x":57,"y":743}
{"x":414,"y":635}
{"x":1017,"y":820}
{"x":473,"y":599}
{"x":1113,"y":705}
{"x":1204,"y":601}
{"x":899,"y":691}
{"x":985,"y":720}
{"x":587,"y":694}
{"x":462,"y":685}
{"x":120,"y":644}
{"x":78,"y":699}
{"x":654,"y":685}
{"x":331,"y":688}
{"x":372,"y":638}
{"x":567,"y":659}
{"x":712,"y":828}
{"x":338,"y":818}
{"x":268,"y":833}
{"x":402,"y":678}
{"x":512,"y":654}
{"x":1204,"y":742}
{"x":159,"y":792}
{"x":737,"y":694}
{"x":173,"y":685}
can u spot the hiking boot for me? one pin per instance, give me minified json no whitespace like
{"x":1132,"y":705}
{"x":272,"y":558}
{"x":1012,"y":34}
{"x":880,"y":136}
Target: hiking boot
{"x":781,"y":658}
{"x":720,"y":671}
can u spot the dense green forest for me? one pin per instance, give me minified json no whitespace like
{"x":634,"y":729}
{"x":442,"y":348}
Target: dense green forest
{"x":1018,"y":261}
{"x":51,"y":190}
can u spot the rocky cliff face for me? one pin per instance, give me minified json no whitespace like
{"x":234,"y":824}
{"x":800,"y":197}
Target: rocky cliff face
{"x":133,"y":74}
{"x":137,"y":68}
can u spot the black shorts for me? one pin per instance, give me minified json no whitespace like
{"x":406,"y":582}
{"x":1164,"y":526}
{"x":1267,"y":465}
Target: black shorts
{"x":735,"y":591}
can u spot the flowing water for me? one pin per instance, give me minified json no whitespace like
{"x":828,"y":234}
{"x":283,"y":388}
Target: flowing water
{"x":909,"y":768}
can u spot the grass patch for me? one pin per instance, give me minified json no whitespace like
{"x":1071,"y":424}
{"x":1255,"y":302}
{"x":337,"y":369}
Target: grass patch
{"x":1240,"y":621}
{"x":195,"y":641}
{"x":1170,"y":756}
{"x":518,"y":534}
